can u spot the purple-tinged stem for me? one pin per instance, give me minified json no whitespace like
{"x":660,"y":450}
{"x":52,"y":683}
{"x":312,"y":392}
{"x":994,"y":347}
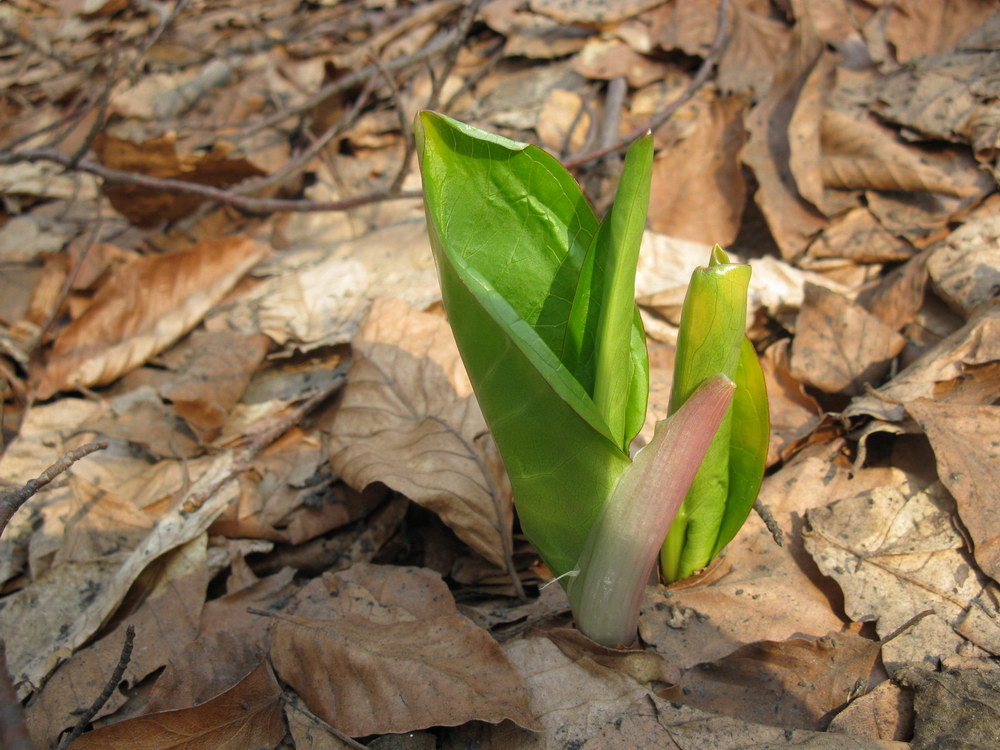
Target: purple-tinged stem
{"x":624,"y":543}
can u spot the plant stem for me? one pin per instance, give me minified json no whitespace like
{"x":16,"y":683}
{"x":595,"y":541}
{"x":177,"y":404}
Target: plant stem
{"x":625,"y":541}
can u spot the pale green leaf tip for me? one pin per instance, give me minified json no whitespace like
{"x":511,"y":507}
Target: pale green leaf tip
{"x":718,"y":257}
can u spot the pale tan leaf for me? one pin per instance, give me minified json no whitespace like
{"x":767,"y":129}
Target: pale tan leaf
{"x":975,"y":343}
{"x":796,"y":682}
{"x":793,"y":412}
{"x":409,"y":420}
{"x":604,"y":59}
{"x":531,"y":34}
{"x":928,"y":27}
{"x":863,"y":155}
{"x":698,"y":191}
{"x":966,"y":443}
{"x":857,"y":235}
{"x":247,"y":715}
{"x":883,"y":713}
{"x":896,"y":553}
{"x":145,"y":308}
{"x":966,"y":268}
{"x":773,"y":147}
{"x":78,"y":596}
{"x":840,"y":347}
{"x":657,"y":723}
{"x":592,"y":12}
{"x":755,"y":50}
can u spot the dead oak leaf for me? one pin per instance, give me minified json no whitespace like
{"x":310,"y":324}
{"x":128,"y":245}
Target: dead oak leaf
{"x":364,"y":677}
{"x":142,"y":310}
{"x":158,"y":157}
{"x":409,"y":419}
{"x":249,"y":714}
{"x":839,"y":346}
{"x":966,"y":443}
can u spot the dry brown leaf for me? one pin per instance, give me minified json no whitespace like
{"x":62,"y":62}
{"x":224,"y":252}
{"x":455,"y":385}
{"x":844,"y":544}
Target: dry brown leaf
{"x":604,"y":59}
{"x":896,"y":553}
{"x":965,"y":270}
{"x":163,"y":624}
{"x":773,"y":146}
{"x":311,"y":733}
{"x":698,"y":191}
{"x":141,"y":418}
{"x":796,"y":683}
{"x":966,"y":443}
{"x":564,"y":110}
{"x":78,"y":597}
{"x":319,"y":296}
{"x":793,"y":412}
{"x":213,"y":369}
{"x":975,"y":343}
{"x":898,"y":296}
{"x":756,"y":47}
{"x":838,"y":346}
{"x":145,"y":308}
{"x":396,"y":661}
{"x":858,"y":236}
{"x":592,"y":12}
{"x":917,"y":28}
{"x":247,"y":715}
{"x":158,"y":158}
{"x":409,"y":419}
{"x":572,"y":698}
{"x":654,"y":722}
{"x":883,"y":713}
{"x":864,"y":155}
{"x":644,"y":666}
{"x":532,"y":34}
{"x":957,"y":708}
{"x":230,"y":641}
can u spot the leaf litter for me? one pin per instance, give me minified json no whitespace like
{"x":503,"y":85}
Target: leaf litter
{"x":212,"y":259}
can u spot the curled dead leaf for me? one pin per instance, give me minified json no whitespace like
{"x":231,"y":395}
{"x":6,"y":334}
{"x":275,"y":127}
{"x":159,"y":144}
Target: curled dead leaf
{"x":142,"y":310}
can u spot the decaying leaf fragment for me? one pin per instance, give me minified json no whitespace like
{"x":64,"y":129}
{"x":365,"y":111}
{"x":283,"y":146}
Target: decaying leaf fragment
{"x":145,"y":308}
{"x":409,"y":420}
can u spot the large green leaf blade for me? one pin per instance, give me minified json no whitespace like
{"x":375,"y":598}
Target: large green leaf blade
{"x":605,"y":343}
{"x":511,"y":212}
{"x":556,"y":446}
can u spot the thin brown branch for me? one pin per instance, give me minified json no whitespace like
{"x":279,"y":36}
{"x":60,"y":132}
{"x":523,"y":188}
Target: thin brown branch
{"x":657,"y":121}
{"x":404,"y":129}
{"x":350,"y":81}
{"x":228,"y":197}
{"x":452,"y":54}
{"x":13,"y":728}
{"x":772,"y":525}
{"x":109,"y":688}
{"x":11,"y":501}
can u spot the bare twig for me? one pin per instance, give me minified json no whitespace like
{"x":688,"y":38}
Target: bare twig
{"x":906,"y":626}
{"x":768,"y":518}
{"x":452,"y":54}
{"x":228,"y":197}
{"x":109,"y":689}
{"x":13,"y":729}
{"x":404,"y":128}
{"x":11,"y":501}
{"x":495,"y":56}
{"x":661,"y":117}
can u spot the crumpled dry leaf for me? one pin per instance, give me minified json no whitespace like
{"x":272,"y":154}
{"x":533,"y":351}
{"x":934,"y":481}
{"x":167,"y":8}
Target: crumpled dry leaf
{"x":793,"y":412}
{"x":917,"y":28}
{"x":382,"y":669}
{"x":158,"y":157}
{"x":858,"y":236}
{"x":797,"y":682}
{"x":145,"y":308}
{"x":756,"y":47}
{"x":965,"y":269}
{"x":965,"y":439}
{"x":78,"y":596}
{"x":409,"y":419}
{"x":698,"y":191}
{"x":653,"y":722}
{"x":864,"y":155}
{"x":896,"y":553}
{"x":839,"y":347}
{"x":784,"y":143}
{"x":164,"y":624}
{"x":532,"y":34}
{"x":249,"y":714}
{"x":316,"y":302}
{"x":975,"y":343}
{"x":957,"y":708}
{"x":592,"y":12}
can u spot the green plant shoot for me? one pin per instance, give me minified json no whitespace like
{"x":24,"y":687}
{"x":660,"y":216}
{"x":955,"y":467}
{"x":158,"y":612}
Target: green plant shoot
{"x":541,"y":299}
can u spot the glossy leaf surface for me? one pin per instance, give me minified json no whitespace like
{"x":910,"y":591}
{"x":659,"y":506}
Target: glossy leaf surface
{"x":540,"y":297}
{"x":712,"y":342}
